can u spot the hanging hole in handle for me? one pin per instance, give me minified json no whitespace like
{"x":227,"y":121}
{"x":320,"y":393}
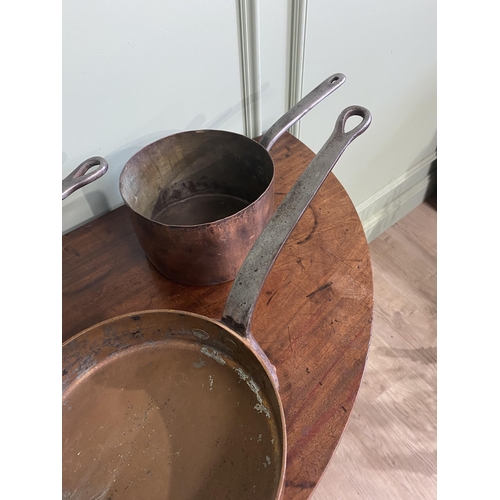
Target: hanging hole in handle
{"x":352,"y":122}
{"x":92,"y":169}
{"x":355,"y":127}
{"x":334,"y":79}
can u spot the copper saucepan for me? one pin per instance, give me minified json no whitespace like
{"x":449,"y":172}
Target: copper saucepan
{"x":168,"y":404}
{"x":199,"y":199}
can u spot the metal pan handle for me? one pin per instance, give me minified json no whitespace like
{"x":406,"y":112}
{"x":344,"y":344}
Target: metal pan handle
{"x":294,"y":114}
{"x":80,"y":176}
{"x":254,"y":270}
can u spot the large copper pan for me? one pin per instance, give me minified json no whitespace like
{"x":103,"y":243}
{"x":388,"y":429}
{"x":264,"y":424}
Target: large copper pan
{"x":168,"y":404}
{"x":199,"y":199}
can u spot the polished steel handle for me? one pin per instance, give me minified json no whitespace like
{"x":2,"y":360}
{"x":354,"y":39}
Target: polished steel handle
{"x":81,"y":176}
{"x":301,"y":108}
{"x":254,"y":270}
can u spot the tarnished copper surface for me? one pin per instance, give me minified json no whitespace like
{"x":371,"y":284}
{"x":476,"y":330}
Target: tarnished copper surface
{"x":130,"y":432}
{"x":198,"y":201}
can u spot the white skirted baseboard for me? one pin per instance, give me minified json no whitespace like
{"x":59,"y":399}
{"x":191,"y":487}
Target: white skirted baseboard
{"x":390,"y":204}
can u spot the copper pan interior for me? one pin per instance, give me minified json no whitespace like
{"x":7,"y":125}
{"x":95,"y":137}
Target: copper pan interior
{"x":170,"y":405}
{"x":196,"y":177}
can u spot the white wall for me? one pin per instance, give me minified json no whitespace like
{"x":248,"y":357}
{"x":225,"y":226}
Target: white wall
{"x":387,"y":50}
{"x":136,"y":71}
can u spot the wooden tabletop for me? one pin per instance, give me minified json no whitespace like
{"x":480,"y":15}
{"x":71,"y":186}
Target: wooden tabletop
{"x":313,"y":317}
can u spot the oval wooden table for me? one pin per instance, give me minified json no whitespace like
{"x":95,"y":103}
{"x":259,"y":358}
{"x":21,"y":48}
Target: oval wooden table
{"x":313,"y":317}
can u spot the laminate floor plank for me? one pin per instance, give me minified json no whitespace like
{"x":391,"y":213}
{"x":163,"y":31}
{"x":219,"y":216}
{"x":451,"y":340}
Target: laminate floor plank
{"x":409,"y":407}
{"x":384,"y":367}
{"x":378,"y":461}
{"x":388,"y":450}
{"x":411,"y":316}
{"x":344,"y":488}
{"x":418,"y":359}
{"x":402,"y":268}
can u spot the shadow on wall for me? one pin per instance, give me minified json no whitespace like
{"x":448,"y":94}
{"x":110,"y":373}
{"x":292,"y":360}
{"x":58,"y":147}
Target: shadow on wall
{"x":96,"y":199}
{"x":431,"y":193}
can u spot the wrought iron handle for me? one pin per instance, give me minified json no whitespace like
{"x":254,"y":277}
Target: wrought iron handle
{"x":294,"y":114}
{"x":254,"y":270}
{"x":81,"y":176}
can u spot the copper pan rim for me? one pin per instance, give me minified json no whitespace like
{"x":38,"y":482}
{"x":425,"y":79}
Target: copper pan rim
{"x":222,"y":134}
{"x":246,"y":342}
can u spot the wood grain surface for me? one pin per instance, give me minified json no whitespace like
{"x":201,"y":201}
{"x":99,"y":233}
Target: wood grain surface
{"x":313,"y":317}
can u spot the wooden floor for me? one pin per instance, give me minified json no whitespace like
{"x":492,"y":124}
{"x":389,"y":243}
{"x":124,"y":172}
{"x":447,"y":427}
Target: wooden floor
{"x":388,"y":450}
